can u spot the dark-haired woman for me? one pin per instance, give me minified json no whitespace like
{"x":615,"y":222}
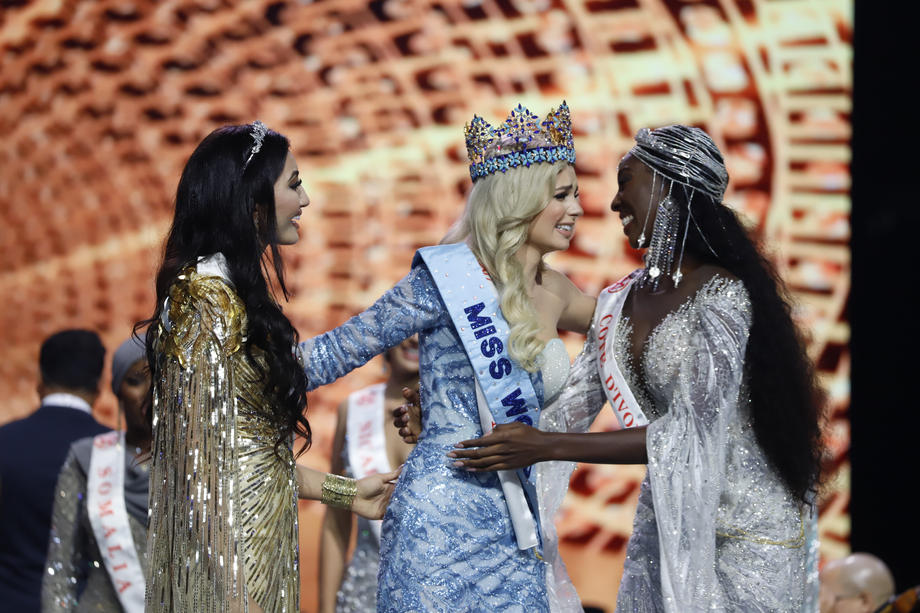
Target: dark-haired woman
{"x":229,"y":389}
{"x":698,"y":346}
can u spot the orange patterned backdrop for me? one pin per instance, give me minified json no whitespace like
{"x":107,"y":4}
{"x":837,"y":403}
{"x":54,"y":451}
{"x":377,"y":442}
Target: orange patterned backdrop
{"x":101,"y":102}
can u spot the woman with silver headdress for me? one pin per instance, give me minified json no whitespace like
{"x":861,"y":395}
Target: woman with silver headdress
{"x":487,"y":310}
{"x":700,"y":360}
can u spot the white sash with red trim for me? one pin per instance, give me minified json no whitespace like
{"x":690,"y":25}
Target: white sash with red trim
{"x":366,"y":439}
{"x":105,"y":504}
{"x":609,"y":306}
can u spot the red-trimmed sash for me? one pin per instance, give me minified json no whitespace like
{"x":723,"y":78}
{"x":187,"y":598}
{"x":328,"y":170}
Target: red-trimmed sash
{"x":609,"y":306}
{"x":366,"y":439}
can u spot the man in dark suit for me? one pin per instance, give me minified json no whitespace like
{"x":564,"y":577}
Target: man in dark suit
{"x":32,"y":451}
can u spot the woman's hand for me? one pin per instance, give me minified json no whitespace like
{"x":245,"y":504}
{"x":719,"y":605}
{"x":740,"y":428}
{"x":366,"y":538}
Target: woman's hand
{"x":408,"y":417}
{"x":374,"y":494}
{"x":508,"y":446}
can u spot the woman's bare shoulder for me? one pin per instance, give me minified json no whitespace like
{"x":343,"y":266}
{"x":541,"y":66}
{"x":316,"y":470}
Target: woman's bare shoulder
{"x":558,"y":283}
{"x":702,"y":276}
{"x":579,"y":306}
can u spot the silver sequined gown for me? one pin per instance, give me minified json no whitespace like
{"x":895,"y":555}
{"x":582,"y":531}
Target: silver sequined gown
{"x":447,"y":542}
{"x":715,"y":529}
{"x":73,"y":554}
{"x":573,"y":410}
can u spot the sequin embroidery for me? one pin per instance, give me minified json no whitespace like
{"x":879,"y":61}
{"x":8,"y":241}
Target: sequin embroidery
{"x":715,"y":529}
{"x":223,"y":505}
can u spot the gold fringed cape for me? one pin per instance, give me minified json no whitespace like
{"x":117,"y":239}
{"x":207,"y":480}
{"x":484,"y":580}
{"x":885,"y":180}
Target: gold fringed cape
{"x":223,"y":505}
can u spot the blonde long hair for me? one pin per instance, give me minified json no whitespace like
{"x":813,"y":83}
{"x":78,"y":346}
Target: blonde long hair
{"x":495,"y":224}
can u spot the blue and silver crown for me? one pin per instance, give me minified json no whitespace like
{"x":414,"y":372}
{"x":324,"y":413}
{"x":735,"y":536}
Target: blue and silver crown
{"x":521,"y":140}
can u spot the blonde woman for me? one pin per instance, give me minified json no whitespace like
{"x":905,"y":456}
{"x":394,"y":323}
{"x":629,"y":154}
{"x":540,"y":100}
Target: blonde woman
{"x":487,"y":309}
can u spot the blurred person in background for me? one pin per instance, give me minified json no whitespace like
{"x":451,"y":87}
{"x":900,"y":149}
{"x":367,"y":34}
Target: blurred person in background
{"x":487,"y":310}
{"x":228,"y":388}
{"x":100,"y":504}
{"x":858,"y":583}
{"x":364,"y":444}
{"x":32,"y":451}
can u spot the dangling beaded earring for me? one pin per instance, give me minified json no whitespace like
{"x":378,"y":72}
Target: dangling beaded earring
{"x":678,"y":275}
{"x":660,"y":255}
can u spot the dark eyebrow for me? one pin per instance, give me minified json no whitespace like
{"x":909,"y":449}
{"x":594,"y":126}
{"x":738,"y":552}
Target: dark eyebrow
{"x":293,"y":175}
{"x":564,"y":188}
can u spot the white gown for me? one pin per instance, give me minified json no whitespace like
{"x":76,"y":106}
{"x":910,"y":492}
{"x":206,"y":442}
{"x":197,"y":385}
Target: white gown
{"x":573,"y":410}
{"x":715,"y":529}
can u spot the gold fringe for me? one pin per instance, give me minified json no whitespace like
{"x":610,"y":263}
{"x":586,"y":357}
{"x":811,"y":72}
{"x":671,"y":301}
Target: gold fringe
{"x":223,"y":524}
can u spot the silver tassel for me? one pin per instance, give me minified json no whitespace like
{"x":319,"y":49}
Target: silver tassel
{"x":664,"y":240}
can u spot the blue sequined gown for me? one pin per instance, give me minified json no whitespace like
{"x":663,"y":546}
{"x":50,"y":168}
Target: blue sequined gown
{"x":447,"y":542}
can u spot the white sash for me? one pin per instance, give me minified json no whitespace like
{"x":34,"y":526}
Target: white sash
{"x":105,"y":504}
{"x":609,"y":305}
{"x":504,"y":392}
{"x":525,"y":528}
{"x":366,"y":439}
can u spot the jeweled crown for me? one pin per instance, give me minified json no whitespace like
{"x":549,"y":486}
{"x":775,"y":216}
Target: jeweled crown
{"x":521,"y":140}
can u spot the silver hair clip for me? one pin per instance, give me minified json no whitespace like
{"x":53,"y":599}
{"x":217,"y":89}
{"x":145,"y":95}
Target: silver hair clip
{"x":257,"y":131}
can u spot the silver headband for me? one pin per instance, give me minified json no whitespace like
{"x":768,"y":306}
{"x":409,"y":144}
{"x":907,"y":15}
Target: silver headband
{"x":686,"y":155}
{"x":257,"y":131}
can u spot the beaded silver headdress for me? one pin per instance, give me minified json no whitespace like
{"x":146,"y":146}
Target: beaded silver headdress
{"x":521,"y":140}
{"x":688,"y":157}
{"x":257,"y":131}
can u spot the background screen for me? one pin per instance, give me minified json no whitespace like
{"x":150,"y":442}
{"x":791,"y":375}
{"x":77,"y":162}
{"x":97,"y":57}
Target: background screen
{"x":102,"y":103}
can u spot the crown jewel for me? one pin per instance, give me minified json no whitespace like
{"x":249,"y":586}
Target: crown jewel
{"x":521,"y":140}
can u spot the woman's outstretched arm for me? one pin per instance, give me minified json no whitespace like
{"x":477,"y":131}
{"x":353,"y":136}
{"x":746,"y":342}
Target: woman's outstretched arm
{"x":515,"y":445}
{"x":412,"y":305}
{"x":370,"y":500}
